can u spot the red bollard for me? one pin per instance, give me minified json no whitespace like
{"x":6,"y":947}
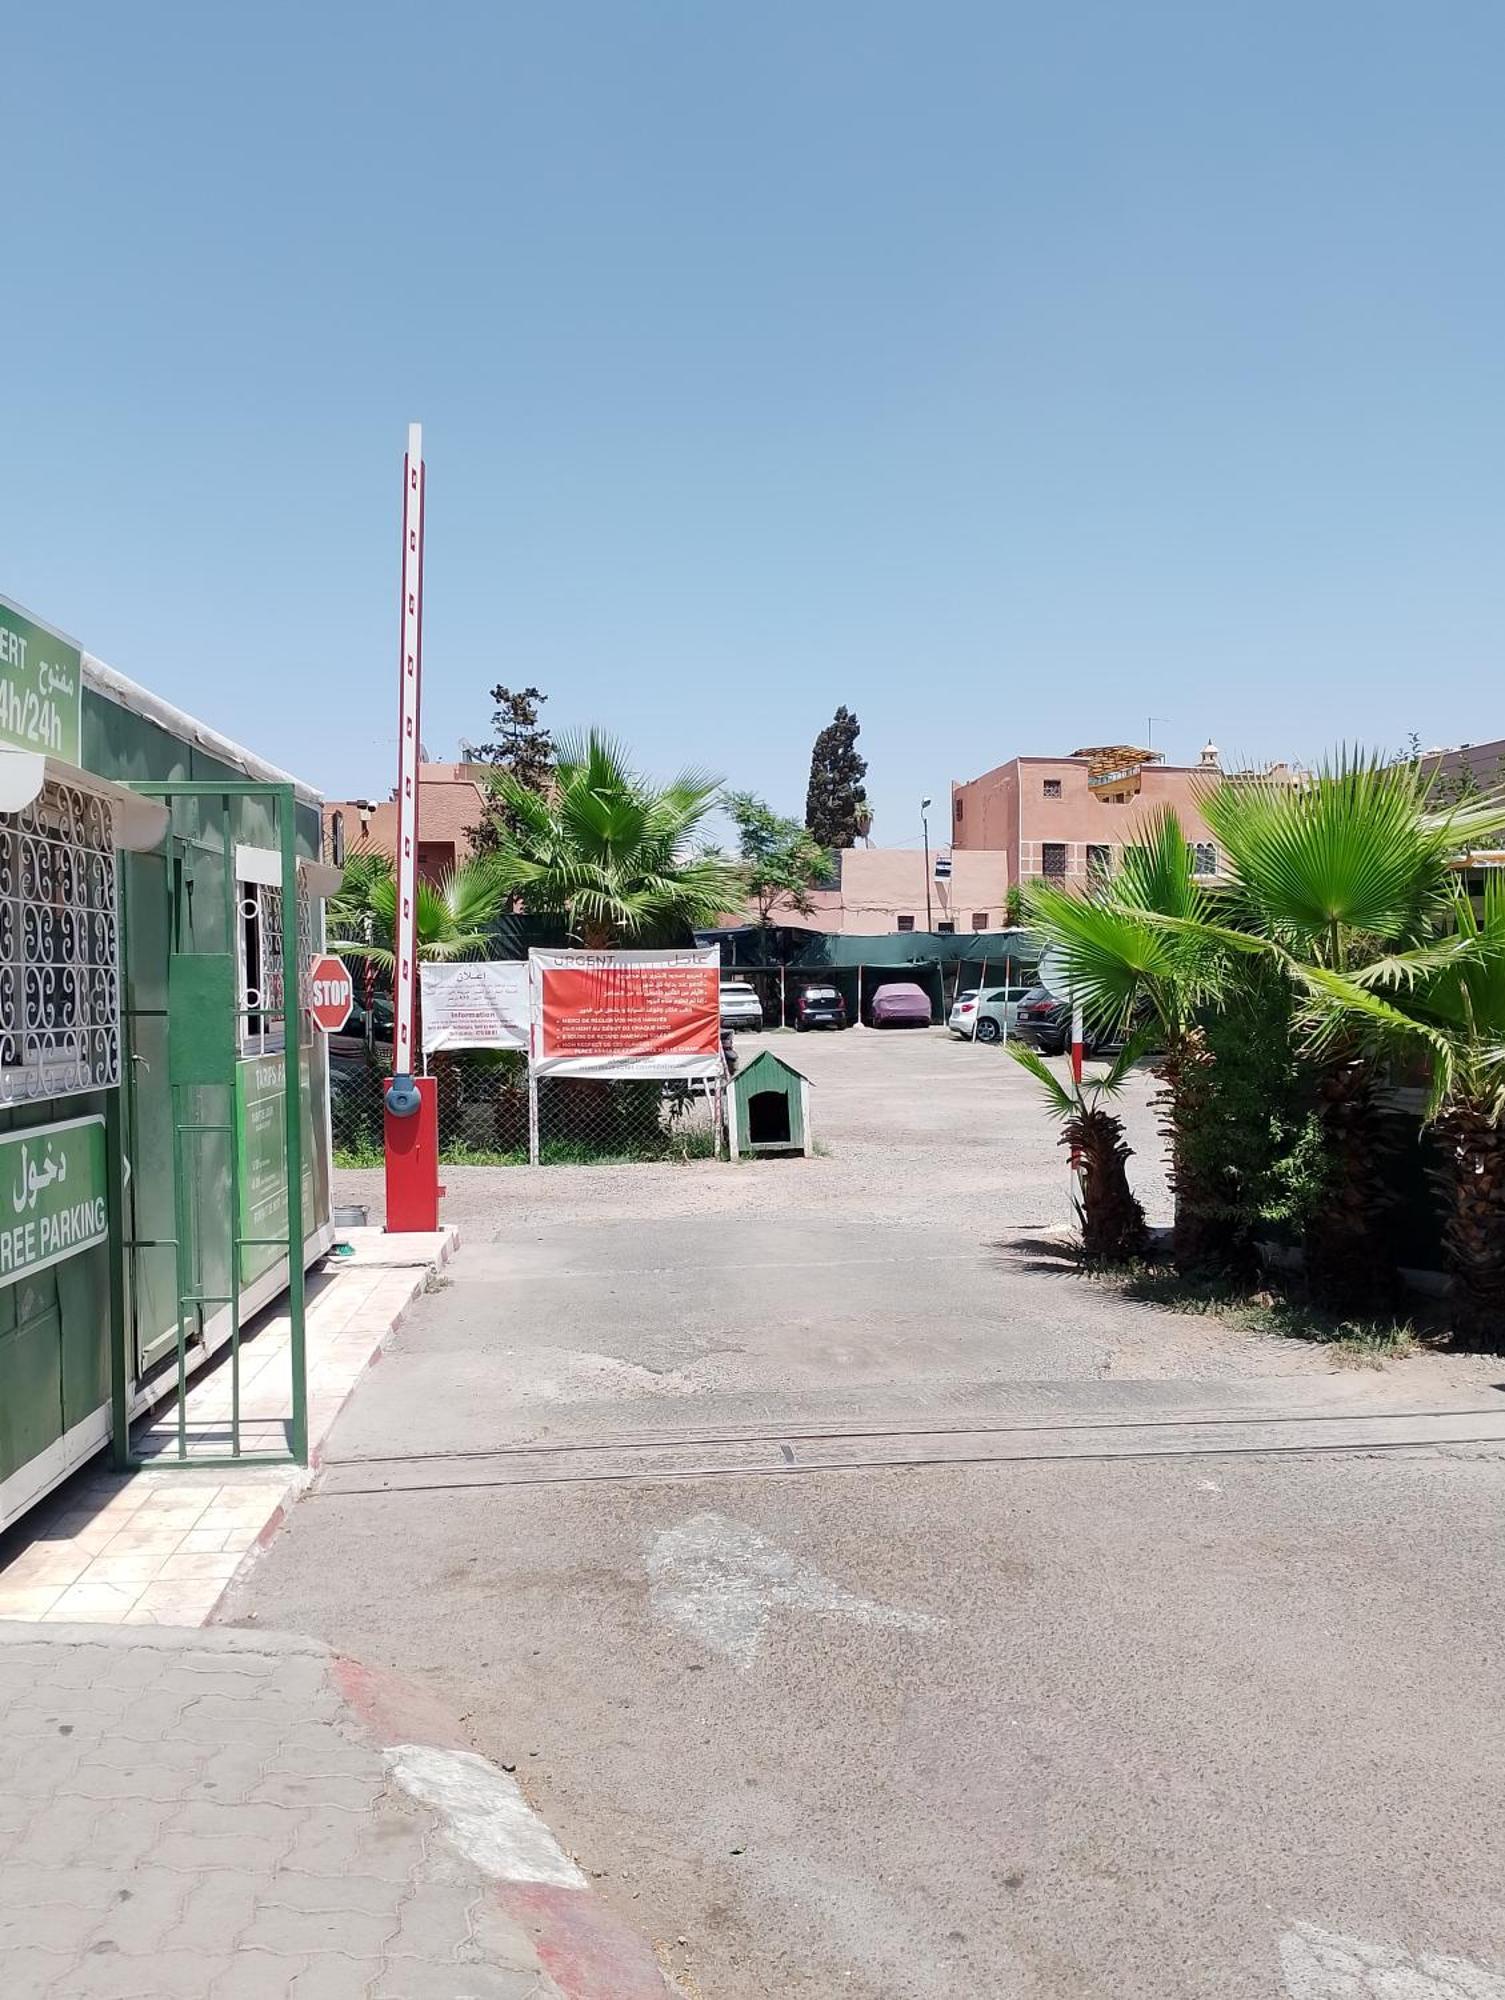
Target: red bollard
{"x":413,"y":1163}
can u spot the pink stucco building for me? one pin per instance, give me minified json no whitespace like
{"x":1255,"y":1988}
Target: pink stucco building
{"x":1069,"y":818}
{"x":883,"y":889}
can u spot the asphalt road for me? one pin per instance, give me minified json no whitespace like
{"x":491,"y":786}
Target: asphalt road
{"x":772,"y":1521}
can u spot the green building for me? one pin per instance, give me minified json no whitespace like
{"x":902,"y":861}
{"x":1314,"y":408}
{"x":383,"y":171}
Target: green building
{"x":154,"y":878}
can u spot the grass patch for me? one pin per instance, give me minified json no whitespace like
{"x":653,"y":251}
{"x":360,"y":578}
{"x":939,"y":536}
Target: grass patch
{"x":677,"y":1147}
{"x":1286,"y":1314}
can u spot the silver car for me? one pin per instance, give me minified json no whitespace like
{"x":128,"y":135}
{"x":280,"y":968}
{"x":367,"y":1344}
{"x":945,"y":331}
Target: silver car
{"x":986,"y":1016}
{"x":740,"y":1005}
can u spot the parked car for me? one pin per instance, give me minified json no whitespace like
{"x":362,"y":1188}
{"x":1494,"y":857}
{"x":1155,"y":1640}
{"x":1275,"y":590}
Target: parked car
{"x":1044,"y":1021}
{"x":352,"y":1038}
{"x":820,"y":1007}
{"x":901,"y":1005}
{"x":740,"y":1005}
{"x":986,"y":1016}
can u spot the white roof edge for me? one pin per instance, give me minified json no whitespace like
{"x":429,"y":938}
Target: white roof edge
{"x":128,"y":694}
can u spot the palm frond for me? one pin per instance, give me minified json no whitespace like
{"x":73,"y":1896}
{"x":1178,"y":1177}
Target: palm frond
{"x":1352,"y":855}
{"x":1342,"y":1005}
{"x":610,"y":853}
{"x":1062,"y":1102}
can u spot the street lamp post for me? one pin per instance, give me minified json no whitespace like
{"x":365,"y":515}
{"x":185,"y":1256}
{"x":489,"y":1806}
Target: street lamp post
{"x":925,"y":834}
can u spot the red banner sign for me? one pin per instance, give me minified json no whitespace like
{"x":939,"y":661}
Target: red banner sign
{"x":623,"y":1010}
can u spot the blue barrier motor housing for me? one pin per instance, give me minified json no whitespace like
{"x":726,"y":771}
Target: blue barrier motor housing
{"x":402,"y":1097}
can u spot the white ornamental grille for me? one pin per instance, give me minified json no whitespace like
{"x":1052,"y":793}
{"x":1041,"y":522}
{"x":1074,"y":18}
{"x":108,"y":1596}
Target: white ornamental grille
{"x":59,"y":949}
{"x":261,"y":956}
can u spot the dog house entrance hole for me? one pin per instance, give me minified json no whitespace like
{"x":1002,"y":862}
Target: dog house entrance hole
{"x":768,"y":1118}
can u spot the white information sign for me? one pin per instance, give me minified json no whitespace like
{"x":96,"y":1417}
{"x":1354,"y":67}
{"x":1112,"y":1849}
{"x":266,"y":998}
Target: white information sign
{"x":475,"y":1004}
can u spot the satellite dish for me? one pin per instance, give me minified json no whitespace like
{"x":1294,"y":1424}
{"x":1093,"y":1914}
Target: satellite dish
{"x":1052,"y":973}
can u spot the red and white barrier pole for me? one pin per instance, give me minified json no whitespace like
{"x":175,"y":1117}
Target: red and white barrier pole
{"x":1076,"y":1077}
{"x":412,"y":1111}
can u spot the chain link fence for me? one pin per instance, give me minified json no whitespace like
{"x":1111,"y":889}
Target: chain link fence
{"x":483,"y":1114}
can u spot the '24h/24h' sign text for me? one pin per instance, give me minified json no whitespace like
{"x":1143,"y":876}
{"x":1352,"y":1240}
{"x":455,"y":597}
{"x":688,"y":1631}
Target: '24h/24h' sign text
{"x":41,"y":688}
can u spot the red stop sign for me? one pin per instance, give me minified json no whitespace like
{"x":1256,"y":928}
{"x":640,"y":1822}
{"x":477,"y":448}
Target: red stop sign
{"x":333,"y":992}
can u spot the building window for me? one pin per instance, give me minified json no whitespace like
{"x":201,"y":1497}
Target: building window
{"x":59,"y":947}
{"x":1053,"y":860}
{"x":1204,"y":858}
{"x":1052,"y":788}
{"x":1099,"y":863}
{"x":979,"y":920}
{"x":957,"y":805}
{"x":906,"y":923}
{"x":946,"y":927}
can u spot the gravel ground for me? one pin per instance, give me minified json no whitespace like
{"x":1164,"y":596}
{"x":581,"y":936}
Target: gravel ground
{"x":913,"y":1124}
{"x":947,"y":1144}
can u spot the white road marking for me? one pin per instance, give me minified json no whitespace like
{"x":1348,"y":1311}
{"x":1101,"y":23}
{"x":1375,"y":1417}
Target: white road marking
{"x":721,"y":1581}
{"x":1322,"y":1965}
{"x":484,"y":1814}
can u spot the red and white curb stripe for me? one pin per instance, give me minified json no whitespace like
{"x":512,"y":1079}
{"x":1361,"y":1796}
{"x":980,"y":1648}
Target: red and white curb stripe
{"x":586,"y":1949}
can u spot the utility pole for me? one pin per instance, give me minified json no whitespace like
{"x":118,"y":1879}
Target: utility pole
{"x":925,"y":835}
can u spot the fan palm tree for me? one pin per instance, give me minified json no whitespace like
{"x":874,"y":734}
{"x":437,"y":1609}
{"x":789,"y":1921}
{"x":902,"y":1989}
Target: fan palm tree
{"x":454,"y":914}
{"x":1140,"y":944}
{"x":1445,"y":1002}
{"x":454,"y":920}
{"x":1112,"y":1220}
{"x":1331,"y":877}
{"x":610,"y":852}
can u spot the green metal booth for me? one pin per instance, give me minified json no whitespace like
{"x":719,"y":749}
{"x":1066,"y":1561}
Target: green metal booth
{"x":164,"y":1170}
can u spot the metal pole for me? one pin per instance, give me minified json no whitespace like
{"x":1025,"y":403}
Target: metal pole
{"x":120,"y":1411}
{"x":292,"y":1108}
{"x":231,"y":914}
{"x":1076,"y":1076}
{"x":925,"y":834}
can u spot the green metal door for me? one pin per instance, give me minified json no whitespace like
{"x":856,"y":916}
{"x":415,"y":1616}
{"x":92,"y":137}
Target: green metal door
{"x":155,"y":915}
{"x":189,"y":997}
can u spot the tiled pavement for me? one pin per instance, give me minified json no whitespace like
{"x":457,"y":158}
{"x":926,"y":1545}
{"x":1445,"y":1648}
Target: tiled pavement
{"x":201,"y":1814}
{"x":159,"y":1547}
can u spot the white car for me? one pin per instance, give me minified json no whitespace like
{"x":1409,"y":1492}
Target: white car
{"x":987,"y":1016}
{"x":740,"y":1005}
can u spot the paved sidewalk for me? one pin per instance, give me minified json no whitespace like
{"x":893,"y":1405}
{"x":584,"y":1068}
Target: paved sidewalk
{"x":221,"y":1815}
{"x":160,"y":1547}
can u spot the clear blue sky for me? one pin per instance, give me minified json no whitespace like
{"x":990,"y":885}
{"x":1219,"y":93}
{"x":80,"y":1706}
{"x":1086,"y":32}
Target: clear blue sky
{"x":1009,"y":372}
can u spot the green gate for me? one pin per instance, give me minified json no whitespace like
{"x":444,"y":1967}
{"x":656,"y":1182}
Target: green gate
{"x":232,"y":1113}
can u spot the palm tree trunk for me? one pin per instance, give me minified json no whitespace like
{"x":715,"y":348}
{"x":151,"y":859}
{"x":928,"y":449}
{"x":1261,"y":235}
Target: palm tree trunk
{"x":1113,"y":1228}
{"x":1350,"y":1259}
{"x":1472,"y":1182}
{"x":1202,"y":1239}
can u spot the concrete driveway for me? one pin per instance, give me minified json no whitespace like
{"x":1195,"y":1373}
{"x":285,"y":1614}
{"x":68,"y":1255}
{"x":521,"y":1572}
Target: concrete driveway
{"x":881,"y":1611}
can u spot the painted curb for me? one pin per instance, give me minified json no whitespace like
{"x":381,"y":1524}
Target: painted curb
{"x":588,"y":1951}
